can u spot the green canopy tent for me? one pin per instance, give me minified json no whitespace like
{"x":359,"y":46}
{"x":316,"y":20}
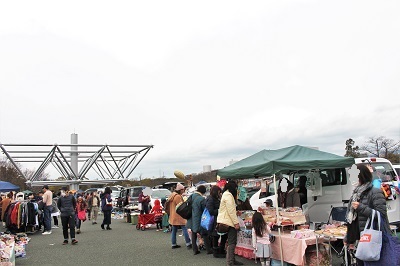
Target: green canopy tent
{"x":285,"y":160}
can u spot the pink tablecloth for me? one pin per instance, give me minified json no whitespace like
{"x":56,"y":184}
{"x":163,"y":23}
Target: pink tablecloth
{"x":293,"y":249}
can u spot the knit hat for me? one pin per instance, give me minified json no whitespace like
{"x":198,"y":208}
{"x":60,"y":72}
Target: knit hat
{"x":179,"y":186}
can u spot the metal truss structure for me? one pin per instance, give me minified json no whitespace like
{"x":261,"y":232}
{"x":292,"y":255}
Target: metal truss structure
{"x":110,"y":162}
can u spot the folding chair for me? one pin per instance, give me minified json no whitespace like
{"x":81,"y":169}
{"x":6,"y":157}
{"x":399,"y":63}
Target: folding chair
{"x":337,"y":214}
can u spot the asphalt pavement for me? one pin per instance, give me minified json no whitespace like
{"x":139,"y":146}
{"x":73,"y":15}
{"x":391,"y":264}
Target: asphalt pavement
{"x":123,"y":245}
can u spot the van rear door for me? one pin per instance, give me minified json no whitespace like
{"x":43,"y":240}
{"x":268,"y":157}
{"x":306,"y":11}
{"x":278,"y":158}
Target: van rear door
{"x":334,"y":183}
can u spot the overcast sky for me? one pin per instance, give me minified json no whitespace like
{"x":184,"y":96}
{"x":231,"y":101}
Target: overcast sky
{"x":205,"y":82}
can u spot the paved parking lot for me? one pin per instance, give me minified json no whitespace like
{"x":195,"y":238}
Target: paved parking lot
{"x":123,"y":245}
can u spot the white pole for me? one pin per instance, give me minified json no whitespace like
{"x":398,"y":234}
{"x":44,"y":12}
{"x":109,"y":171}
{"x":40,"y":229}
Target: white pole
{"x":278,"y":220}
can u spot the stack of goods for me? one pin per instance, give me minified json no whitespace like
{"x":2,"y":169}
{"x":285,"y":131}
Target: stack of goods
{"x":292,"y":216}
{"x":21,"y":240}
{"x":247,"y":217}
{"x":288,"y":216}
{"x":269,"y":214}
{"x":302,"y":233}
{"x":11,"y":247}
{"x":6,"y":249}
{"x":332,"y":230}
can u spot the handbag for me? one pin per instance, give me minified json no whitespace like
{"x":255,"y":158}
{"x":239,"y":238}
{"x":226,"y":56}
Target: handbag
{"x":207,"y":220}
{"x":390,"y":246}
{"x":82,"y":215}
{"x":222,"y":228}
{"x":370,"y":244}
{"x":108,"y":203}
{"x":184,"y":209}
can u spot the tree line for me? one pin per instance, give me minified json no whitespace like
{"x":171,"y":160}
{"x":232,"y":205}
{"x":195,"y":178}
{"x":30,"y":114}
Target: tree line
{"x":380,"y":147}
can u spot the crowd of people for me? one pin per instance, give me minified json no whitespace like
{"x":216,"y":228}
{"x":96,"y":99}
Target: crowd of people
{"x":222,"y":204}
{"x":72,"y":207}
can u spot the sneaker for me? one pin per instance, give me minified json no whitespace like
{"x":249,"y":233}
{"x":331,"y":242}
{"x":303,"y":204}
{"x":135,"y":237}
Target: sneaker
{"x":46,"y":233}
{"x":189,"y":246}
{"x":65,"y":242}
{"x":74,"y":241}
{"x":78,"y":231}
{"x":55,"y":226}
{"x":176,"y":246}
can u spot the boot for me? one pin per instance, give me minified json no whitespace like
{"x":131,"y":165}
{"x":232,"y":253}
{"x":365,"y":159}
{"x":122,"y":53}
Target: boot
{"x":230,"y":255}
{"x":235,"y":262}
{"x":217,"y":253}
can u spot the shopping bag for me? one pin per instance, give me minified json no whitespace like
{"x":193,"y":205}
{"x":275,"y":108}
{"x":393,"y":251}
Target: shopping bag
{"x":207,"y":220}
{"x":184,"y":209}
{"x":370,"y":244}
{"x":390,"y":249}
{"x":82,"y":215}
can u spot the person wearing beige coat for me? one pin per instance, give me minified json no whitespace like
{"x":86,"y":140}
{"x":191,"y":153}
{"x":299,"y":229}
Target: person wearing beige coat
{"x":175,"y":219}
{"x":227,"y":215}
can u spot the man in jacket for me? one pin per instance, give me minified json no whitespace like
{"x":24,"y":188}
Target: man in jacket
{"x":66,"y":203}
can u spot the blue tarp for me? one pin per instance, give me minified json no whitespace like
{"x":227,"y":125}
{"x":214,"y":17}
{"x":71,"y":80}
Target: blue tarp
{"x":7,"y":186}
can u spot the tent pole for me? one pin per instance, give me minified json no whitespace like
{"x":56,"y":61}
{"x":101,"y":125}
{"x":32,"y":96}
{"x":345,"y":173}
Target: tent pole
{"x":278,"y":220}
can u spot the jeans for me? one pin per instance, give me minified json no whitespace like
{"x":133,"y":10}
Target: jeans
{"x":47,"y":217}
{"x":78,"y":223}
{"x":185,"y":233}
{"x":68,"y":220}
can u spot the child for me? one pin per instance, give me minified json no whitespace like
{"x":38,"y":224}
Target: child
{"x":260,"y":238}
{"x":157,"y":210}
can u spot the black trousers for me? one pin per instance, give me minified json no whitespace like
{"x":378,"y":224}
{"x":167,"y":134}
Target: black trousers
{"x":68,"y":221}
{"x":107,"y":218}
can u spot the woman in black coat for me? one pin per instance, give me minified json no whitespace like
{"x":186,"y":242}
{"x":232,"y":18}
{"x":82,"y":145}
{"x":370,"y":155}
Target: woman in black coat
{"x":212,"y":205}
{"x":364,"y":199}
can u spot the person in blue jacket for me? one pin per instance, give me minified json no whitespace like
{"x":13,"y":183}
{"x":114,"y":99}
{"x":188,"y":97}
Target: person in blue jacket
{"x":198,"y":205}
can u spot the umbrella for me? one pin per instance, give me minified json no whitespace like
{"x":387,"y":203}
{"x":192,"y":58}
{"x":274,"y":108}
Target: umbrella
{"x":7,"y":186}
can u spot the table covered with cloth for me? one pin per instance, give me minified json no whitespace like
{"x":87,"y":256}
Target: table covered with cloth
{"x":293,"y":249}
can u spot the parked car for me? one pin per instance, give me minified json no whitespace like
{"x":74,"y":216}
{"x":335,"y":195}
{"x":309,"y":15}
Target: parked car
{"x":397,"y":169}
{"x":160,"y":194}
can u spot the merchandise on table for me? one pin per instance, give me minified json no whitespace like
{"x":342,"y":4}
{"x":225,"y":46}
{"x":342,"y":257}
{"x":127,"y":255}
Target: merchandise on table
{"x":332,"y":230}
{"x":11,"y":247}
{"x":247,"y":217}
{"x":288,"y":216}
{"x":302,"y":233}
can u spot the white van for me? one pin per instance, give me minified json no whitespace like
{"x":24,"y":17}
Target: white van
{"x":334,"y":190}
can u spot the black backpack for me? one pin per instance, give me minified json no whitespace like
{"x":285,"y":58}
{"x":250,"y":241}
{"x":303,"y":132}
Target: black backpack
{"x":184,"y":209}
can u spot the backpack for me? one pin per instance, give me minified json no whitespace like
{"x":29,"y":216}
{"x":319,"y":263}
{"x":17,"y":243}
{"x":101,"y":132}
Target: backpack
{"x":184,"y":209}
{"x":167,"y":207}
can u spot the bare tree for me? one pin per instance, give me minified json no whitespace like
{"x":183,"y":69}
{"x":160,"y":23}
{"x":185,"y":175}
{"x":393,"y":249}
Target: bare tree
{"x":381,"y":146}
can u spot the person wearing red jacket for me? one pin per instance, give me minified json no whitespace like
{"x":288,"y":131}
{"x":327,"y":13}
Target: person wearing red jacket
{"x":158,"y":214}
